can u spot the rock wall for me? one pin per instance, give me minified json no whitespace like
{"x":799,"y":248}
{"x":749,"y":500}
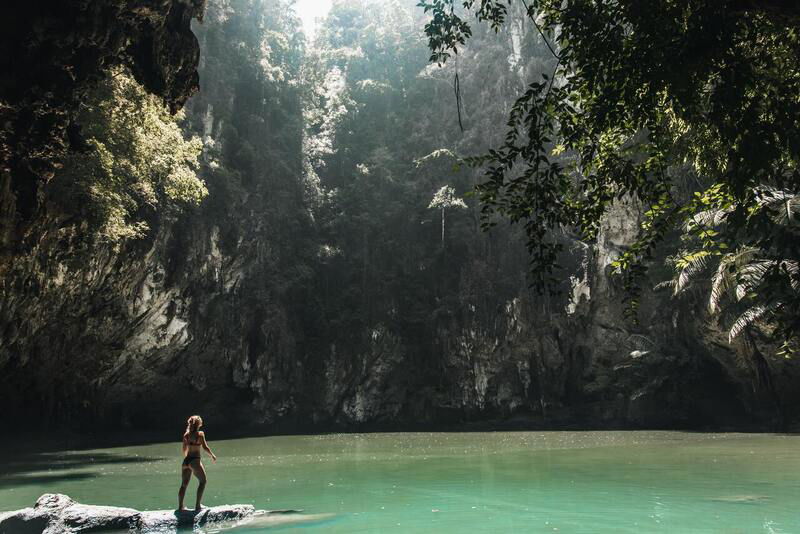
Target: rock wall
{"x":215,"y":311}
{"x":189,"y":321}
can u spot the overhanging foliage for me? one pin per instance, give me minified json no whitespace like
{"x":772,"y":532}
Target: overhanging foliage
{"x":638,"y":90}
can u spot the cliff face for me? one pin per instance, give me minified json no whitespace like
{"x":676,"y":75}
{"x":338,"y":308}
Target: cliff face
{"x":184,"y":323}
{"x":583,"y":365}
{"x":222,"y":310}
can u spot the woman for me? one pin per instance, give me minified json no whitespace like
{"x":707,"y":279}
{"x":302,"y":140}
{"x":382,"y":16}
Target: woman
{"x":193,"y":441}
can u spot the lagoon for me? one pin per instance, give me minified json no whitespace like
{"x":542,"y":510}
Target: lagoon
{"x":582,"y":482}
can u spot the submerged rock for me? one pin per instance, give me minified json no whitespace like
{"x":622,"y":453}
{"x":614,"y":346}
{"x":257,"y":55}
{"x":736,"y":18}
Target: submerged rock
{"x":58,"y":514}
{"x":742,"y":499}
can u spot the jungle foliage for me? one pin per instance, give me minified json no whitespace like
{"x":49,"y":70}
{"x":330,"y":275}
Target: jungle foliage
{"x":400,"y":247}
{"x":132,"y":160}
{"x":643,"y":99}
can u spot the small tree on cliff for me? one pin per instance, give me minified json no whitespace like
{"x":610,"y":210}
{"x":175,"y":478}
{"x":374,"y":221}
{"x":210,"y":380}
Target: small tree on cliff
{"x":133,"y":159}
{"x":443,"y":199}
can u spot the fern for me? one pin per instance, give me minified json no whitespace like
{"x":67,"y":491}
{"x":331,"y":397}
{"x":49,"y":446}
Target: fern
{"x":792,"y":270}
{"x":751,"y":275}
{"x":691,"y":264}
{"x":750,"y":316}
{"x":758,"y":288}
{"x":720,"y":284}
{"x":666,"y":284}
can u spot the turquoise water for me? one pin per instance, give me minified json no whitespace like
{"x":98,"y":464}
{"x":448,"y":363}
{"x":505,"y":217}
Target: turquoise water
{"x":591,"y":482}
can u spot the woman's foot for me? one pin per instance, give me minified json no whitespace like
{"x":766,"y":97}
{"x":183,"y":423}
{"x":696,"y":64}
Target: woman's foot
{"x":198,"y":507}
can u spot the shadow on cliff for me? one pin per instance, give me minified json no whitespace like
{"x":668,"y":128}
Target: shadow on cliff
{"x":50,"y":468}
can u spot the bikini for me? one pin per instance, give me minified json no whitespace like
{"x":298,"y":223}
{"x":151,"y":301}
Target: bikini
{"x":191,"y":457}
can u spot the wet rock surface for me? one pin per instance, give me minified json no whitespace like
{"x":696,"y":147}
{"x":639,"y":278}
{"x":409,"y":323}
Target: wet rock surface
{"x":59,"y":514}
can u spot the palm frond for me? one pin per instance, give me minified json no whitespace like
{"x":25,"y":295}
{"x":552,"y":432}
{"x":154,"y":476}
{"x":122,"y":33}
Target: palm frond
{"x":792,"y":270}
{"x":752,"y":275}
{"x":791,"y":266}
{"x":707,"y":219}
{"x":783,"y":206}
{"x":749,"y":317}
{"x":681,"y":282}
{"x":743,"y":256}
{"x":701,"y":218}
{"x":740,"y":291}
{"x":720,"y":284}
{"x":691,"y":264}
{"x":665,"y":284}
{"x":638,"y":342}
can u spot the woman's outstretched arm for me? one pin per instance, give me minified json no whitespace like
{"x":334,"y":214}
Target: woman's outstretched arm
{"x":205,"y":446}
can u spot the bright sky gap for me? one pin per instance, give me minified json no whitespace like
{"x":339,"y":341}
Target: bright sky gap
{"x":310,"y":12}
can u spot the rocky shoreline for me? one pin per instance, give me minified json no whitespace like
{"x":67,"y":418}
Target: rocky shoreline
{"x":59,"y":514}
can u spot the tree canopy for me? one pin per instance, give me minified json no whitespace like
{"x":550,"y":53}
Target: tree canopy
{"x":681,"y":106}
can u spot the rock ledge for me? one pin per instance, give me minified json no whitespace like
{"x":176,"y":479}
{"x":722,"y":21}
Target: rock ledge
{"x":58,"y":514}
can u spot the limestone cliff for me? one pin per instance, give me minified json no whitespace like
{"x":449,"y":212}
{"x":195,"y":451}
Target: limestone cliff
{"x":224,"y":310}
{"x":188,"y":323}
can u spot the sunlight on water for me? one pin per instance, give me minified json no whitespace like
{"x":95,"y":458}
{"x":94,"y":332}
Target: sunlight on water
{"x":435,"y":482}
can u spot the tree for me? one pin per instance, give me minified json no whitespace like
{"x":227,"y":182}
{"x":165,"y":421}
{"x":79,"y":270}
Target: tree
{"x":636,"y":91}
{"x":443,"y":199}
{"x":135,"y":159}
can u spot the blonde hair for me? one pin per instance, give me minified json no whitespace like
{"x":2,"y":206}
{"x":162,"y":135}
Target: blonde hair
{"x":193,"y":424}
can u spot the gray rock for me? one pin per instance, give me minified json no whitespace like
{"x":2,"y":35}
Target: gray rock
{"x":87,"y":518}
{"x":58,"y":514}
{"x":742,"y":499}
{"x":25,"y":521}
{"x":166,"y":520}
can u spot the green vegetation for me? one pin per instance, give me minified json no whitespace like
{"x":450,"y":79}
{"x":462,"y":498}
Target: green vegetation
{"x":134,"y":160}
{"x":399,"y":246}
{"x":682,"y":106}
{"x":750,"y":288}
{"x":683,"y":110}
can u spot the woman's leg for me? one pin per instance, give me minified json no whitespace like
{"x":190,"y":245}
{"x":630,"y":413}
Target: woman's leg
{"x":200,"y":472}
{"x":186,"y":476}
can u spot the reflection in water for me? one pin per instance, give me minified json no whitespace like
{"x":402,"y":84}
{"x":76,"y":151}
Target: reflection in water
{"x":12,"y":481}
{"x":48,"y":468}
{"x":436,"y":482}
{"x":270,"y":522}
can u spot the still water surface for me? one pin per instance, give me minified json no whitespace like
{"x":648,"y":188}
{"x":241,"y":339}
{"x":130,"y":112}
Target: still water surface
{"x":587,"y":482}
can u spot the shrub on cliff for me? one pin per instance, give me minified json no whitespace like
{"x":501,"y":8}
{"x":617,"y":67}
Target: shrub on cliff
{"x":134,"y":160}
